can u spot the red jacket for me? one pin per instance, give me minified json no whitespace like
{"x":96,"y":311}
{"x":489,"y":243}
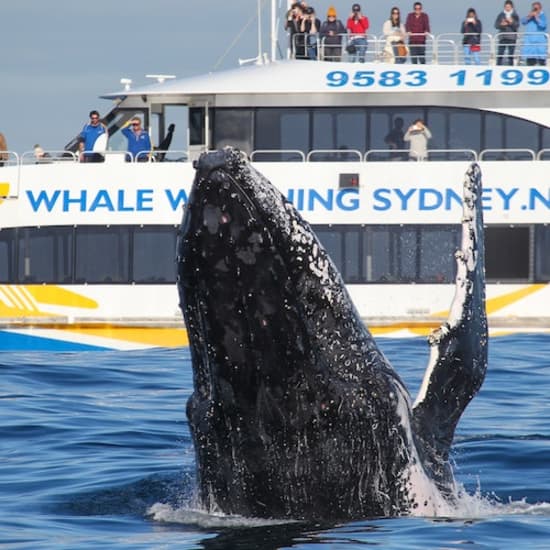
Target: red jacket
{"x":418,"y":25}
{"x":358,"y":27}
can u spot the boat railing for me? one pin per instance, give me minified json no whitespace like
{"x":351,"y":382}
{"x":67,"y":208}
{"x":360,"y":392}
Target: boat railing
{"x":277,"y":155}
{"x":9,"y":158}
{"x":48,"y":157}
{"x":543,"y":154}
{"x":507,"y":154}
{"x":441,"y":49}
{"x":334,"y":155}
{"x":384,"y":155}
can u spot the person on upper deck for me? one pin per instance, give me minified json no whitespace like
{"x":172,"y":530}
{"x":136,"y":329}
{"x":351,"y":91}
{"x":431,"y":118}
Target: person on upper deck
{"x":357,"y":26}
{"x":417,"y":26}
{"x":395,"y":50}
{"x":3,"y":149}
{"x":88,"y":137}
{"x":535,"y":44}
{"x":331,"y":36}
{"x":471,"y":29}
{"x":293,"y":25}
{"x":139,"y":143}
{"x":507,"y":24}
{"x":310,"y":27}
{"x":418,"y":135}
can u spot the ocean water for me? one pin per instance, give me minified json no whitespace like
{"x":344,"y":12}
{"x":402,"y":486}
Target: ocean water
{"x":95,"y":452}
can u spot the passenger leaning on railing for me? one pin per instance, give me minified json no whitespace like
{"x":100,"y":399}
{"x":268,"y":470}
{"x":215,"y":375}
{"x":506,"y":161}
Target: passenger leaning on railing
{"x":94,"y":136}
{"x":507,"y":24}
{"x":535,"y":43}
{"x":417,"y":26}
{"x":331,"y":36}
{"x":395,"y":50}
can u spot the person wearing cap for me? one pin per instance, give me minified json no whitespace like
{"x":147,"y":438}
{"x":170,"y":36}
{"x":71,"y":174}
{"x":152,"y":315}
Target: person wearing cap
{"x":417,"y":26}
{"x":139,"y":142}
{"x":331,"y":36}
{"x":357,"y":26}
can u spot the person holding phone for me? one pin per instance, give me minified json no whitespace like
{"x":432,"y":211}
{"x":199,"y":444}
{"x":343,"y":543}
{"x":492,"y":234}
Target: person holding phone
{"x":471,"y":31}
{"x":535,"y":44}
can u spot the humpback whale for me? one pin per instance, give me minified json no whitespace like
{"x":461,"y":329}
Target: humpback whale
{"x":296,"y":413}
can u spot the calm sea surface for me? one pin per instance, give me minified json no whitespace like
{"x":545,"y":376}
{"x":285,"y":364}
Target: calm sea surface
{"x":95,"y":452}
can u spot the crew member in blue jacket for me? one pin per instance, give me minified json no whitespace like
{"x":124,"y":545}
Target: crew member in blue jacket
{"x":88,"y":137}
{"x":139,"y":142}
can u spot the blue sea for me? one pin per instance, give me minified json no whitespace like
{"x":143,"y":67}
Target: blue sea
{"x":95,"y":452}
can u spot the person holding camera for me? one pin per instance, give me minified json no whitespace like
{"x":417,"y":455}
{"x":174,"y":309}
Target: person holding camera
{"x":418,"y":135}
{"x":507,"y":24}
{"x":357,"y":26}
{"x":293,"y":25}
{"x":471,"y":31}
{"x":535,"y":44}
{"x":310,"y":28}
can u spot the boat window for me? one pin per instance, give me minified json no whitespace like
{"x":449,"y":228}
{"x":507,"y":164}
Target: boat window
{"x":494,"y":131}
{"x":339,"y":129}
{"x":464,"y":130}
{"x":45,"y":255}
{"x":101,"y":255}
{"x":282,"y":129}
{"x":7,"y":255}
{"x":506,"y":253}
{"x":154,"y":251}
{"x":197,"y":117}
{"x":392,"y":254}
{"x":233,"y":127}
{"x":542,"y":253}
{"x":521,"y":134}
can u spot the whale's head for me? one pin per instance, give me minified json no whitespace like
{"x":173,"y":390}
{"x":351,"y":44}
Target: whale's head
{"x":285,"y":372}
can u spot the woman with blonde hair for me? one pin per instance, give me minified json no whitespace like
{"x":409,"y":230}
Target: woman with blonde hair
{"x":395,"y":50}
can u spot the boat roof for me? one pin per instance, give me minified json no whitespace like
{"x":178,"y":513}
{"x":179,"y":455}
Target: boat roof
{"x":332,"y":83}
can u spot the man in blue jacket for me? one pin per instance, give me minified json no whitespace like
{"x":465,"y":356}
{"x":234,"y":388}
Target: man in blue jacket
{"x":90,"y":134}
{"x":139,"y":142}
{"x":535,"y":44}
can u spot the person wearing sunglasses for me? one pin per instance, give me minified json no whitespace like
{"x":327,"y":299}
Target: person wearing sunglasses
{"x":395,"y":51}
{"x":88,"y":137}
{"x":139,"y":142}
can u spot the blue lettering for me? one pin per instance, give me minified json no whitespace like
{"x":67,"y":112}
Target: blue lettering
{"x":43,"y":197}
{"x":102,"y":200}
{"x":486,"y":198}
{"x":353,"y":201}
{"x":536,"y":195}
{"x":315,"y":196}
{"x":506,"y":196}
{"x":380,"y":196}
{"x":450,"y":195}
{"x":424,"y":201}
{"x":300,"y":200}
{"x":290,"y":196}
{"x":404,"y":197}
{"x":180,"y":198}
{"x":67,"y":201}
{"x":144,"y":196}
{"x":120,"y":204}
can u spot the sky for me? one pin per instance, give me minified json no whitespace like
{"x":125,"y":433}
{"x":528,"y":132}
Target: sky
{"x":59,"y":56}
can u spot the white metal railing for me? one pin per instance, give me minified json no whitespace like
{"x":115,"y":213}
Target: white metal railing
{"x":285,"y":155}
{"x":9,"y":158}
{"x":334,"y":155}
{"x":48,"y":157}
{"x":507,"y":154}
{"x":440,"y":49}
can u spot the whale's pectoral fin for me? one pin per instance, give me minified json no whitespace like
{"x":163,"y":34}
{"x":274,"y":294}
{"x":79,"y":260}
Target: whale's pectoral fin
{"x":458,"y":358}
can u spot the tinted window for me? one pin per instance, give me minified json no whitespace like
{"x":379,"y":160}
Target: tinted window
{"x":233,"y":127}
{"x":506,"y":253}
{"x":45,"y":255}
{"x":542,"y":253}
{"x":154,"y":252}
{"x":7,"y":255}
{"x":102,"y":254}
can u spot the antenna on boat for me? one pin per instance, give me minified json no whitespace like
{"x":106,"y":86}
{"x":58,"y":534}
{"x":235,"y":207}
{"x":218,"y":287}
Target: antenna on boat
{"x":127,"y":82}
